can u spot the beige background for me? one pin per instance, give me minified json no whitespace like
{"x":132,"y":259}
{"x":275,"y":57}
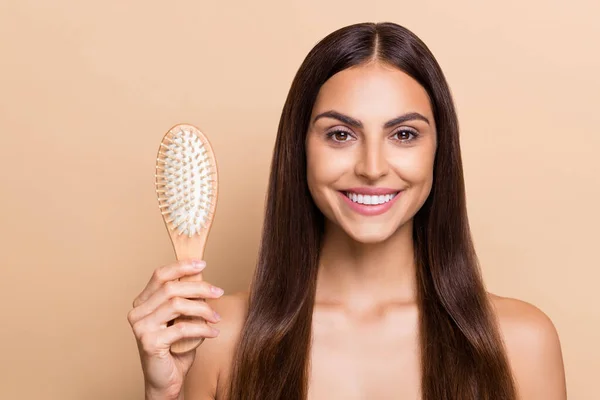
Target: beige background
{"x":87,"y":89}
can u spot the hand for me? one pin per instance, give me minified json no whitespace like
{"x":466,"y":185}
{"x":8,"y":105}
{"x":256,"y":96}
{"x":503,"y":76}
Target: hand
{"x":163,"y":299}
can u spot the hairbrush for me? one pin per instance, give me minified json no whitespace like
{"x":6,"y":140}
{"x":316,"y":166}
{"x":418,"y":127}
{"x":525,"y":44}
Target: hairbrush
{"x":187,"y":189}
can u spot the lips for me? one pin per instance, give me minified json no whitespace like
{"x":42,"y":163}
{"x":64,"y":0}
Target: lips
{"x":356,"y":197}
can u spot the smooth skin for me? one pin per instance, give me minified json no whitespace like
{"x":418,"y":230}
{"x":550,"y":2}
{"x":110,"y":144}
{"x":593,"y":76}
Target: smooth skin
{"x":365,"y":321}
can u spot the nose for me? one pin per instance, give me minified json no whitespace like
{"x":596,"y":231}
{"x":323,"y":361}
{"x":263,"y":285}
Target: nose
{"x":372,"y":163}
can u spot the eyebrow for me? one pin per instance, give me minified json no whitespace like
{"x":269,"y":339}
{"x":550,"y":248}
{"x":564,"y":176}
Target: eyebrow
{"x":357,"y":124}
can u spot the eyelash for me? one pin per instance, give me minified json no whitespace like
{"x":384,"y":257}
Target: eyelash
{"x":414,"y":133}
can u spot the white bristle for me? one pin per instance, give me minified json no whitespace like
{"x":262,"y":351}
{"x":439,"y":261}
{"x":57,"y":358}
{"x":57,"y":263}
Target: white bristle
{"x":183,"y":182}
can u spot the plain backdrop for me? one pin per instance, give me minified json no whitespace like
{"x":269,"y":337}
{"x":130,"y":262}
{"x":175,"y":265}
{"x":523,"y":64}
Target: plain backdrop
{"x":88,"y":89}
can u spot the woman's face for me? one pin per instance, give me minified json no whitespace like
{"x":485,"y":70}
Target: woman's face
{"x":370,"y":148}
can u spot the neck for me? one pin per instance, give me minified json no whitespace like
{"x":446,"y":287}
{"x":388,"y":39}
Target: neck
{"x":362,"y":276}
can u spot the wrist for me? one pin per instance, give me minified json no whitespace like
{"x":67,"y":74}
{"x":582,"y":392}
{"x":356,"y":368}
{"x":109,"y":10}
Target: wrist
{"x":154,"y":394}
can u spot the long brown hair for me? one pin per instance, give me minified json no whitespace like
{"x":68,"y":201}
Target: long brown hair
{"x":462,"y":354}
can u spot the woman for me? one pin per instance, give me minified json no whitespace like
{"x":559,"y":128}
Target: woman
{"x":367,"y":284}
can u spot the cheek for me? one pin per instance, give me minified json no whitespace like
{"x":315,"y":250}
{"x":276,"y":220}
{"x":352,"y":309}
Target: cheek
{"x":416,"y":170}
{"x":415,"y":167}
{"x":325,"y":166}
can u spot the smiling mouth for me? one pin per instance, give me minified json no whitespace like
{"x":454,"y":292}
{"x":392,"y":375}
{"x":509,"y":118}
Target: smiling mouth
{"x":366,"y":199}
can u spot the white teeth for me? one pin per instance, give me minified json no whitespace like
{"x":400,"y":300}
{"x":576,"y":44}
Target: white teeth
{"x":368,"y":199}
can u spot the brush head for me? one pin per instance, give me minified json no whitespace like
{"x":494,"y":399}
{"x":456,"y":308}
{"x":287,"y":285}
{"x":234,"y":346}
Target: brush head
{"x":186,"y":178}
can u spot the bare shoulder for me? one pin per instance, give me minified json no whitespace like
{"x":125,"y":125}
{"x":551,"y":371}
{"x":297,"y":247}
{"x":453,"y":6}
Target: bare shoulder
{"x":213,"y":356}
{"x":533,"y":348}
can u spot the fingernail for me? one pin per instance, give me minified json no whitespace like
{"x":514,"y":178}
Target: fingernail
{"x":215,"y":330}
{"x":217,"y":316}
{"x":198,"y":264}
{"x":216,"y":290}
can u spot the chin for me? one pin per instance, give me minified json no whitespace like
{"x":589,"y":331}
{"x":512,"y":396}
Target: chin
{"x":369,"y":235}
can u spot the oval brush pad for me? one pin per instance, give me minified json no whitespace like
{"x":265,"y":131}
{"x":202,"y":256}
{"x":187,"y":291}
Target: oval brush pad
{"x":187,"y":189}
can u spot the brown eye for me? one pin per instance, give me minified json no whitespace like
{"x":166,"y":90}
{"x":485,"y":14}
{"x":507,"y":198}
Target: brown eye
{"x":339,"y":136}
{"x":406,"y":135}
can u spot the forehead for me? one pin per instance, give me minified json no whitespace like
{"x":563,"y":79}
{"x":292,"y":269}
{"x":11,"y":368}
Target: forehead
{"x":372,"y":92}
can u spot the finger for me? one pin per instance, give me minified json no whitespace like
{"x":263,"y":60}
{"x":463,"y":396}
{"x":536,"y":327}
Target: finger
{"x":168,"y":273}
{"x":178,"y":307}
{"x":160,"y":341}
{"x":173,"y":289}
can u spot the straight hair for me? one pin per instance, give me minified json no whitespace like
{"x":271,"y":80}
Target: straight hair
{"x":462,"y":353}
